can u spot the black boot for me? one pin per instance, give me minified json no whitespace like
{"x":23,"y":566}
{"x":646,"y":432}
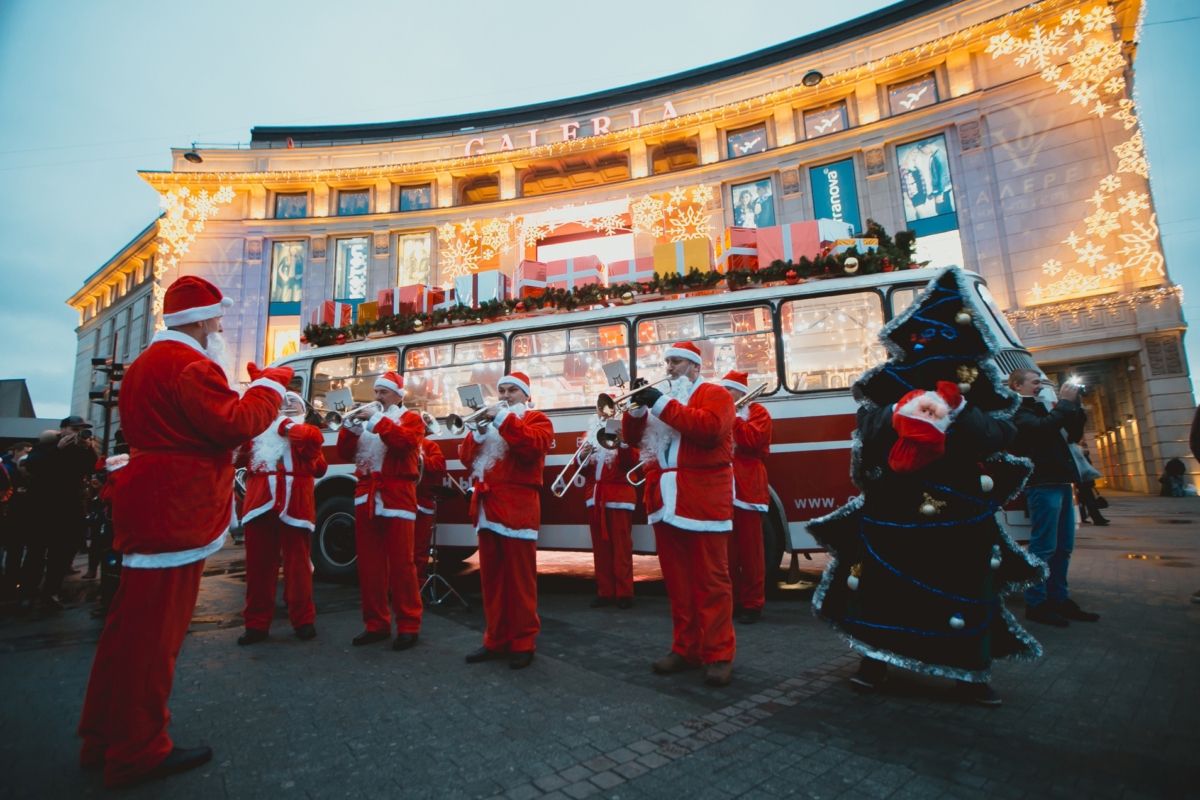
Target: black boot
{"x":520,"y":659}
{"x":178,"y":760}
{"x":601,"y":602}
{"x":252,"y":636}
{"x":484,"y":654}
{"x":870,"y":676}
{"x":370,"y":637}
{"x":979,"y":693}
{"x":404,"y":641}
{"x":306,"y":631}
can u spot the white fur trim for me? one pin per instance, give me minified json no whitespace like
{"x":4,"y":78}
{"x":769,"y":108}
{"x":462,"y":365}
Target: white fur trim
{"x":370,"y":451}
{"x":176,"y":559}
{"x":750,"y":506}
{"x":383,"y":383}
{"x":620,"y":506}
{"x":679,"y":352}
{"x":270,"y":384}
{"x":741,"y":387}
{"x":509,"y":380}
{"x":373,"y":421}
{"x":178,"y":338}
{"x":517,"y":533}
{"x":198,"y":314}
{"x":909,"y":409}
{"x":425,"y":510}
{"x":660,"y":404}
{"x":670,"y":492}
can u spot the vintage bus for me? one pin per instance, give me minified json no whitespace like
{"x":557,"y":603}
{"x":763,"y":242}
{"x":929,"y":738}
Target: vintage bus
{"x":807,"y":342}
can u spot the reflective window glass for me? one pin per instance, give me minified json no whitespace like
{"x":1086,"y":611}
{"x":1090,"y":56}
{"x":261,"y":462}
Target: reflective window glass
{"x":566,"y":368}
{"x":433,"y":373}
{"x":913,"y":94}
{"x":740,"y":339}
{"x":357,"y":375}
{"x":747,"y":141}
{"x":821,"y":121}
{"x":352,"y":204}
{"x":291,"y":206}
{"x":830,"y":341}
{"x":902,"y":299}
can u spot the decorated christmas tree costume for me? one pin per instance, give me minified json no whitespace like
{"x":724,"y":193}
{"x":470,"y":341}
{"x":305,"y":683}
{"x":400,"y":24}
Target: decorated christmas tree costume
{"x":920,"y":563}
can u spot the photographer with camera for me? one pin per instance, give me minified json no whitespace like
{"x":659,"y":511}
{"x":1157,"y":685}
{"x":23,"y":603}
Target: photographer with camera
{"x":1045,"y":430}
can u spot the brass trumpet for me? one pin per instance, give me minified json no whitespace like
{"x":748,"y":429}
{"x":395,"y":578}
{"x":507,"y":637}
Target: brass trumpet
{"x":609,"y":407}
{"x":432,"y":426}
{"x":750,"y":396}
{"x":476,"y":422}
{"x":336,"y":420}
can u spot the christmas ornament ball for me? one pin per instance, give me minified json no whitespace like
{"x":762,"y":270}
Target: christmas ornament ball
{"x":303,"y":340}
{"x":850,"y":265}
{"x":957,"y":622}
{"x":418,"y":326}
{"x":986,"y":483}
{"x":928,"y":509}
{"x":791,"y":277}
{"x":341,"y":338}
{"x":520,"y":308}
{"x":963,"y":388}
{"x":852,"y":582}
{"x":963,"y":318}
{"x":627,"y":298}
{"x":995,"y":562}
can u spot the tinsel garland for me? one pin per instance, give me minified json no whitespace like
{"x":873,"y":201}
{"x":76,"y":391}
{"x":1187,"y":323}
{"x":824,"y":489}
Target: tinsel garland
{"x":890,"y":256}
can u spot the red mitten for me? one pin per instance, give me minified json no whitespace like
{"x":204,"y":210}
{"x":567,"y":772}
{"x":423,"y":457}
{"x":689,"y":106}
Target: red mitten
{"x":281,"y":375}
{"x":284,"y":426}
{"x":921,"y":420}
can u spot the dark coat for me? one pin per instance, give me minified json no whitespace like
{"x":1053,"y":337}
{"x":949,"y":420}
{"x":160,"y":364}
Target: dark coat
{"x":56,"y":478}
{"x":1039,"y":439}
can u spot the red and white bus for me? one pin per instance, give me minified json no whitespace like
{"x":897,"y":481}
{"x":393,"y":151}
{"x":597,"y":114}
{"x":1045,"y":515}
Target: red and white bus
{"x":808,"y":342}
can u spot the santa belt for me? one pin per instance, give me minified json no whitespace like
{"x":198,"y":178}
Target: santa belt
{"x":280,"y":474}
{"x":598,"y":505}
{"x":483,"y":487}
{"x":375,"y":482}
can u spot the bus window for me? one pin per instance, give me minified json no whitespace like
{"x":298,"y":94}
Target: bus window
{"x":902,"y":299}
{"x":433,"y":373}
{"x":986,"y":296}
{"x":358,"y":375}
{"x":830,"y":341}
{"x":565,"y":368}
{"x":740,"y":339}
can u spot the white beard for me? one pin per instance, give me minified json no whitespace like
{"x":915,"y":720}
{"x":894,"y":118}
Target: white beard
{"x":656,"y":440}
{"x":493,"y":448}
{"x":218,"y":350}
{"x":268,"y":448}
{"x":371,"y":448}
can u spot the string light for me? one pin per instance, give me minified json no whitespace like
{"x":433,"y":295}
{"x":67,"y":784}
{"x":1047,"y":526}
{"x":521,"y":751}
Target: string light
{"x":185,"y":215}
{"x":1157,"y":296}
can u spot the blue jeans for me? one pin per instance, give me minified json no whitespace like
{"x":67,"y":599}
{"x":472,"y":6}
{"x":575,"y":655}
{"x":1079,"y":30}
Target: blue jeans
{"x":1052,"y":512}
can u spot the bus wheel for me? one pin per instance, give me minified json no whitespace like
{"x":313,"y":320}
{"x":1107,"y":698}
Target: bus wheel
{"x":333,"y":548}
{"x":450,"y":559}
{"x":774,"y":538}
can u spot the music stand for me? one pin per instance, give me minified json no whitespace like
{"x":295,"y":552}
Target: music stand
{"x":435,"y":577}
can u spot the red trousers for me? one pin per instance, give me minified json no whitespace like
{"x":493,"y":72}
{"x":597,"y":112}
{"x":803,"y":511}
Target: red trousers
{"x":746,"y":561}
{"x":125,"y":712}
{"x":267,"y":538}
{"x":385,"y":561}
{"x":508,"y":572}
{"x":422,"y":532}
{"x":696,"y":572}
{"x":613,"y":556}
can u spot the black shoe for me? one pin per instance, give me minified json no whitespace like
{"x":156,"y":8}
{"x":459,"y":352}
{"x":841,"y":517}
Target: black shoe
{"x":750,"y":616}
{"x":624,"y":602}
{"x":979,"y":693}
{"x":1069,"y":609}
{"x":1100,"y":521}
{"x":370,"y":637}
{"x":404,"y":641}
{"x":252,"y":636}
{"x":870,"y":676}
{"x":178,"y":760}
{"x":601,"y":602}
{"x":1042,"y":613}
{"x":484,"y":654}
{"x":52,"y":603}
{"x":520,"y":659}
{"x":306,"y":631}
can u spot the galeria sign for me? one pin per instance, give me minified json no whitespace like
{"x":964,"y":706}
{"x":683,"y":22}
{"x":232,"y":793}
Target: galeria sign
{"x":570,"y":130}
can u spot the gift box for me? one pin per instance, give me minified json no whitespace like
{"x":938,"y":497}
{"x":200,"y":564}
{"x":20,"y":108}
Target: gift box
{"x":571,"y":273}
{"x":634,"y":270}
{"x":737,"y":248}
{"x":368,"y":312}
{"x":415,"y":299}
{"x":676,"y":258}
{"x":481,"y":287}
{"x":860,"y":244}
{"x":529,"y":279}
{"x":790,"y":242}
{"x":448,"y":303}
{"x":334,"y":313}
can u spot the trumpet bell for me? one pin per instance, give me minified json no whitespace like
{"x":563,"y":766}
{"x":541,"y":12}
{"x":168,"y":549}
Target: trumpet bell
{"x":609,"y":441}
{"x":333,"y":420}
{"x":454,"y":424}
{"x":606,"y":407}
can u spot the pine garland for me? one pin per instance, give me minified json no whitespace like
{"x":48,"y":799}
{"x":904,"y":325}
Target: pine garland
{"x":890,"y":256}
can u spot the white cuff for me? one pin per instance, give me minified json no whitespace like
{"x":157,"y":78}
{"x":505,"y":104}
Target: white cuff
{"x":270,"y":384}
{"x":373,"y":421}
{"x":500,"y":417}
{"x":659,"y":405}
{"x":638,"y":412}
{"x":355,"y":427}
{"x":479,"y":437}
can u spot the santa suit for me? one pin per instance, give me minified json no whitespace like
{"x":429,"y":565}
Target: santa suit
{"x":506,"y":463}
{"x":435,"y":473}
{"x":279,"y":514}
{"x":387,"y":456}
{"x":610,"y":501}
{"x":172,"y":507}
{"x":689,"y":500}
{"x":752,"y":497}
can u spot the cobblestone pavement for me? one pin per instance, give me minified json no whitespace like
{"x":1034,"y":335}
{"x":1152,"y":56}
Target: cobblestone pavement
{"x":1112,"y":710}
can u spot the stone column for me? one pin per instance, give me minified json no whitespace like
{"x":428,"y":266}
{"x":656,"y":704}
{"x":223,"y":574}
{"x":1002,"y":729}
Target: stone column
{"x":445,"y":190}
{"x":867,"y":102}
{"x":639,"y":162}
{"x":508,"y":182}
{"x":710,"y":152}
{"x":383,"y":196}
{"x":958,"y":67}
{"x":785,"y":126}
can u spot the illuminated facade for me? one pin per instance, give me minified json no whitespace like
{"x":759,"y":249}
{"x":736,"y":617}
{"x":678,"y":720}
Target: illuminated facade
{"x":1004,"y":134}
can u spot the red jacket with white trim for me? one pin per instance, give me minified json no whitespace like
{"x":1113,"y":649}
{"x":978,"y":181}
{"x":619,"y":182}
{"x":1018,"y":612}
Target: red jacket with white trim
{"x":751,"y":443}
{"x":174,"y":501}
{"x":507,"y":463}
{"x":386,"y":454}
{"x":285,"y":487}
{"x":605,"y":484}
{"x":690,"y":485}
{"x":435,"y":473}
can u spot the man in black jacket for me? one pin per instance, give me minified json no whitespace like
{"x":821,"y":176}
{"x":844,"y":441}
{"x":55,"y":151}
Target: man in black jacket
{"x":1042,"y":437}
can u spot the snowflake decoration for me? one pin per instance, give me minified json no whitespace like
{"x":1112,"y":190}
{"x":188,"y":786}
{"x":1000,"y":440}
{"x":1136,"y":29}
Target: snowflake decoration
{"x":532,"y":234}
{"x":1098,"y":18}
{"x":447,"y":233}
{"x":678,"y":198}
{"x":1114,"y":85}
{"x":1072,"y":241}
{"x":1002,"y":45}
{"x":1072,"y":284}
{"x":1096,"y":61}
{"x":184,"y":217}
{"x":1132,"y":159}
{"x":689,"y":224}
{"x":1133,"y":203}
{"x":1096,"y":199}
{"x":1126,"y":114}
{"x":1110,"y":184}
{"x":1052,"y":73}
{"x":1077,"y":38}
{"x":611,"y":224}
{"x":1039,"y":47}
{"x":1084,"y":94}
{"x":646,"y":215}
{"x":1102,"y":223}
{"x":1070,"y":17}
{"x":1052,"y":267}
{"x":468,"y":229}
{"x":1140,"y":247}
{"x":495,"y":236}
{"x":1091,"y":253}
{"x":1098,"y":109}
{"x":702,"y":195}
{"x":458,"y":259}
{"x":1063,"y":86}
{"x":1112,"y":272}
{"x":1036,"y":291}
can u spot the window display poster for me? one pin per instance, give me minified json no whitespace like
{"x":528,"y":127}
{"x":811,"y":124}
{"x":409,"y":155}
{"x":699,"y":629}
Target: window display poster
{"x":753,"y":204}
{"x":412,"y":254}
{"x":350,"y":277}
{"x":747,"y":141}
{"x":415,"y":198}
{"x":925,"y":186}
{"x":834,"y":194}
{"x":287,"y":271}
{"x":825,"y":120}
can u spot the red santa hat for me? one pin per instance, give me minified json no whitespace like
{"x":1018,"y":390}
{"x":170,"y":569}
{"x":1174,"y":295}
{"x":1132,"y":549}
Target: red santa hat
{"x":391,"y":381}
{"x":517,"y":379}
{"x":736,"y":380}
{"x":191,"y":299}
{"x":923,"y":440}
{"x":684,"y":350}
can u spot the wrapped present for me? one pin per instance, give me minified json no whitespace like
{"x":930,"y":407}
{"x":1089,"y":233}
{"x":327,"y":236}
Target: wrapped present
{"x":571,"y":273}
{"x":634,"y":270}
{"x":448,"y":303}
{"x":334,"y":313}
{"x":676,"y":258}
{"x":481,"y":287}
{"x":529,"y":280}
{"x":414,"y":299}
{"x":862,"y":245}
{"x":367,"y":312}
{"x":737,"y":248}
{"x":790,"y":242}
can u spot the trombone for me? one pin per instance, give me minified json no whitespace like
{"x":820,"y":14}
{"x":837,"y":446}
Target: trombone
{"x":750,"y":396}
{"x":476,"y":422}
{"x":609,"y":407}
{"x":609,"y":441}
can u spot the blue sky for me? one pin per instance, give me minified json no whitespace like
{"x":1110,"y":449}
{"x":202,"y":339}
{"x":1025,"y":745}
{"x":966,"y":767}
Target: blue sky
{"x":93,"y":91}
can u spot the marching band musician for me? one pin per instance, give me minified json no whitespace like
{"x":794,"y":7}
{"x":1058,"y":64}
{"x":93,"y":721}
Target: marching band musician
{"x":686,"y":438}
{"x":506,"y":460}
{"x":751,"y":498}
{"x":435,"y":473}
{"x":386,"y":450}
{"x":279,"y":514}
{"x":171,"y":509}
{"x":610,"y":502}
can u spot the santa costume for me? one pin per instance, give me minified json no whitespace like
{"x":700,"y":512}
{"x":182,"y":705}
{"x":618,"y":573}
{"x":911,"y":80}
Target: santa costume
{"x":431,"y":480}
{"x":386,"y":452}
{"x":611,"y":499}
{"x":172,"y":507}
{"x":686,"y":440}
{"x":751,"y":499}
{"x":279,"y":514}
{"x":506,"y":461}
